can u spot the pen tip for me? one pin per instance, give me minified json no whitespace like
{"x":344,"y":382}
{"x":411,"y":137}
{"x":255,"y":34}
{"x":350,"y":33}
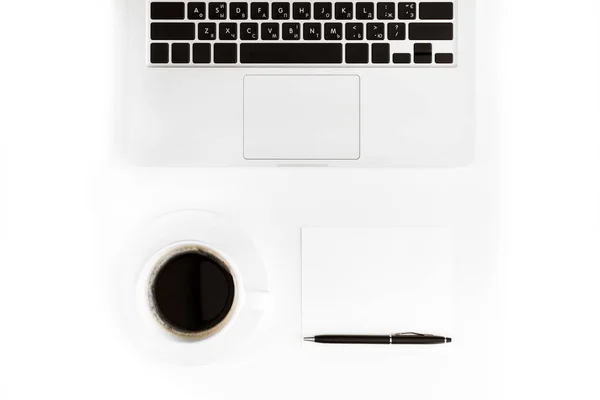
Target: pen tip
{"x":309,"y":339}
{"x":448,"y":340}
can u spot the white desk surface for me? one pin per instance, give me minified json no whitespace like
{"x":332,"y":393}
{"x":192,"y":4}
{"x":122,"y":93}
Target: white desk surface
{"x":273,"y":205}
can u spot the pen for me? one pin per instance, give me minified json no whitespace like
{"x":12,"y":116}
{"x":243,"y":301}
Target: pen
{"x":397,"y":338}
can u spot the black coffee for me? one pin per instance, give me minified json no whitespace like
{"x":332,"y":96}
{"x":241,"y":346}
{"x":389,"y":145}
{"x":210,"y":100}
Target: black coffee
{"x":193,"y":292}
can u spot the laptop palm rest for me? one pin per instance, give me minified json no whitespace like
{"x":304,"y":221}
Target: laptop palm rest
{"x":301,"y":117}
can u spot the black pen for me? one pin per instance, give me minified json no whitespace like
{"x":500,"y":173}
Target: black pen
{"x":397,"y":338}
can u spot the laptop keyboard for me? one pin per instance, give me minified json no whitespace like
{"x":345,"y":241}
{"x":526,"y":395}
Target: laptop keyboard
{"x":394,"y":34}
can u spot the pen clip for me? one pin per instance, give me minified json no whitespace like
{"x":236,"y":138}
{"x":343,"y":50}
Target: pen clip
{"x":411,"y":334}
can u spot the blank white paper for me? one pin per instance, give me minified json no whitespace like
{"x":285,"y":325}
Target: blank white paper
{"x":376,"y":281}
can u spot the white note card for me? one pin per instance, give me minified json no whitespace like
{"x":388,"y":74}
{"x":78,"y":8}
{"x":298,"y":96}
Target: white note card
{"x":376,"y":281}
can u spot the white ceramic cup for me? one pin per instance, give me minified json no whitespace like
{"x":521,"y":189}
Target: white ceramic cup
{"x":162,"y":258}
{"x":168,"y":255}
{"x":161,"y":237}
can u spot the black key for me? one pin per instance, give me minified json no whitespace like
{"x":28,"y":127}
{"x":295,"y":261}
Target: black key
{"x":386,"y":10}
{"x":430,"y":31}
{"x":217,"y":10}
{"x":312,"y":31}
{"x":365,"y":10}
{"x":423,"y":53}
{"x":407,"y":10}
{"x":166,"y":10}
{"x":375,"y":31}
{"x":354,"y":31}
{"x":172,"y":31}
{"x":291,"y":53}
{"x":281,"y":10}
{"x":396,"y":30}
{"x":290,"y":31}
{"x":436,"y":11}
{"x":444,"y":58}
{"x":238,"y":10}
{"x":180,"y":53}
{"x":269,"y":31}
{"x":380,"y":53}
{"x":333,"y":31}
{"x":159,"y":53}
{"x":227,"y":31}
{"x":301,"y":10}
{"x":249,"y":31}
{"x":207,"y":31}
{"x":196,"y":10}
{"x":323,"y":11}
{"x":201,"y":53}
{"x":225,"y":53}
{"x":343,"y":11}
{"x":401,"y":58}
{"x":357,"y":53}
{"x":259,"y":11}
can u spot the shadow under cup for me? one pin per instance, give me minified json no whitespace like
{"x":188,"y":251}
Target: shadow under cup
{"x":192,"y":292}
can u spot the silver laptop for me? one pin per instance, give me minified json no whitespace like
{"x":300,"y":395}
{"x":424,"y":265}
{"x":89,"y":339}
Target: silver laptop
{"x":356,"y":84}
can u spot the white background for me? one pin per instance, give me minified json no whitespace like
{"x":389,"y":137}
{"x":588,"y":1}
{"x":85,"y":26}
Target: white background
{"x":59,"y":200}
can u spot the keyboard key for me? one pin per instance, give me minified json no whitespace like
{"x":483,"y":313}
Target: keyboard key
{"x":159,"y":53}
{"x":238,"y":11}
{"x":354,"y":31}
{"x":225,"y":53}
{"x":430,"y":31}
{"x":259,"y":11}
{"x":217,"y":10}
{"x":444,"y":58}
{"x":291,"y":53}
{"x":423,"y":53}
{"x":207,"y":31}
{"x":227,"y":31}
{"x":365,"y":11}
{"x":249,"y":31}
{"x":333,"y":31}
{"x":343,"y":11}
{"x":201,"y":53}
{"x":401,"y":58}
{"x":436,"y":10}
{"x":166,"y":10}
{"x":407,"y":10}
{"x":323,"y":11}
{"x":196,"y":10}
{"x":396,"y":31}
{"x":301,"y":10}
{"x":380,"y":53}
{"x":269,"y":31}
{"x":281,"y":10}
{"x":357,"y":53}
{"x":312,"y":31}
{"x":375,"y":31}
{"x":172,"y":31}
{"x":386,"y":10}
{"x":290,"y":31}
{"x":180,"y":53}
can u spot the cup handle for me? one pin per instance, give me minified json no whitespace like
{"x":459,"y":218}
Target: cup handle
{"x":256,"y":300}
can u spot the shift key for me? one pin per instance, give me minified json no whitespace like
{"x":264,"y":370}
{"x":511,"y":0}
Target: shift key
{"x":430,"y":31}
{"x":172,"y":31}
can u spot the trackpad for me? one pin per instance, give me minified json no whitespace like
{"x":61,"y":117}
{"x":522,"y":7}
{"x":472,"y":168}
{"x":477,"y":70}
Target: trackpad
{"x":301,"y":117}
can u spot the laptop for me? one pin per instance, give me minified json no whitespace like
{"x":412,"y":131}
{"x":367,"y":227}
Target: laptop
{"x":349,"y":84}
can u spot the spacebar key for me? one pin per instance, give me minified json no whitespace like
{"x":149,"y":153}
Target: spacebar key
{"x":291,"y":53}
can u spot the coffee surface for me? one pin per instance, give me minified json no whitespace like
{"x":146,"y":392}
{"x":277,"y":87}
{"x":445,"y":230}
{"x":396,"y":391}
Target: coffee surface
{"x":193,"y":292}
